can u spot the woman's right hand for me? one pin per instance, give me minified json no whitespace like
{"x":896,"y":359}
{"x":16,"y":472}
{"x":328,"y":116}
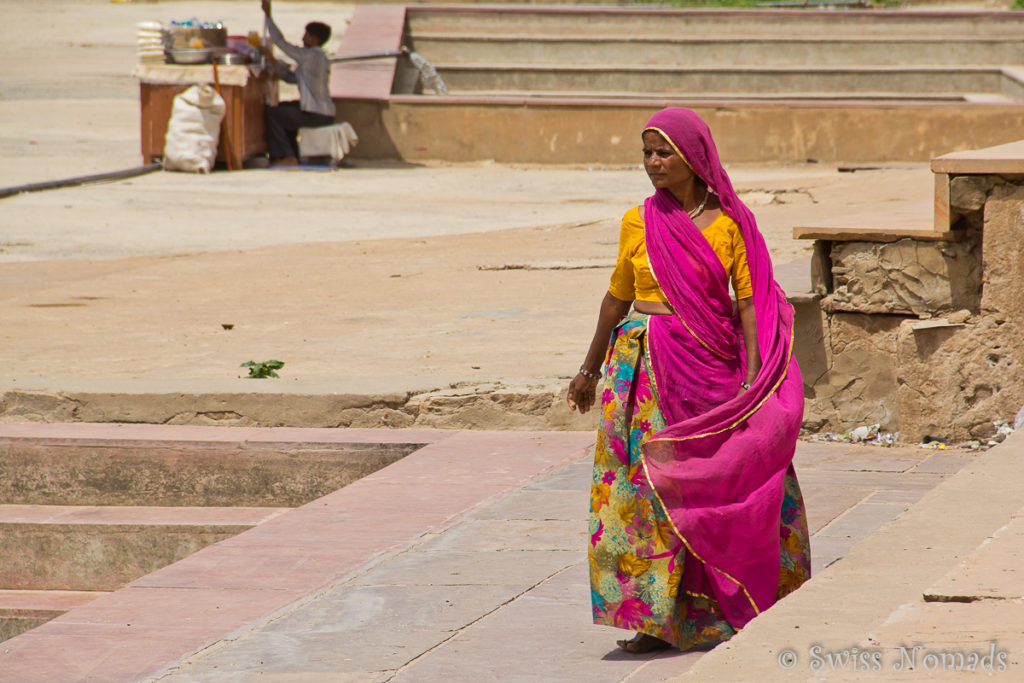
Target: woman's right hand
{"x":582,"y":392}
{"x":583,"y":389}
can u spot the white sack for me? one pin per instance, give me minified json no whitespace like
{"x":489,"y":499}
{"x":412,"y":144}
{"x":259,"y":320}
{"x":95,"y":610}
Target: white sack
{"x":192,"y":132}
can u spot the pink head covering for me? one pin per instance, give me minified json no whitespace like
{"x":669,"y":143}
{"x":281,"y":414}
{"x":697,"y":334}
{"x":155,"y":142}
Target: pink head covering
{"x":691,"y":138}
{"x":718,"y":466}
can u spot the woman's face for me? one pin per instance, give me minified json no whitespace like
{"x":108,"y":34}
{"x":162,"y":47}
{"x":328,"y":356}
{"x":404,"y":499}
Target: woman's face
{"x":664,"y":167}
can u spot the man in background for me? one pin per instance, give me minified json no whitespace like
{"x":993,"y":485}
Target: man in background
{"x":312,"y":74}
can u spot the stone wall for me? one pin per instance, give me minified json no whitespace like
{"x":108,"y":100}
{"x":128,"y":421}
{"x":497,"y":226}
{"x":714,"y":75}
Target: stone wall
{"x":859,"y":385}
{"x":954,"y":381}
{"x":907,"y":277}
{"x":926,"y":337}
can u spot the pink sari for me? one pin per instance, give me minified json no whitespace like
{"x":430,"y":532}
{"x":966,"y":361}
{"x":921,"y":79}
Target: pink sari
{"x":719,"y":464}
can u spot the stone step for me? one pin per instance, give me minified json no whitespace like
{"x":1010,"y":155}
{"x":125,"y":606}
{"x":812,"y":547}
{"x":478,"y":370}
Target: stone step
{"x":909,"y":219}
{"x":23,"y":610}
{"x":453,"y":48}
{"x":45,"y":601}
{"x":99,"y":515}
{"x":626,"y":22}
{"x":145,"y":433}
{"x":866,"y":121}
{"x":1006,"y":159}
{"x":585,"y":130}
{"x":992,"y":571}
{"x":896,"y":261}
{"x":710,"y":82}
{"x":184,"y":474}
{"x":906,"y":219}
{"x":753,"y":97}
{"x":96,"y":548}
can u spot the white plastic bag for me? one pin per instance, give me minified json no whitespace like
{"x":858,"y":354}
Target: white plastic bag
{"x":430,"y":80}
{"x":193,"y":130}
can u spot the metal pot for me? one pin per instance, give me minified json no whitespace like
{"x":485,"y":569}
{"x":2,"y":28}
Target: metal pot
{"x":232,"y":58}
{"x":190,"y":55}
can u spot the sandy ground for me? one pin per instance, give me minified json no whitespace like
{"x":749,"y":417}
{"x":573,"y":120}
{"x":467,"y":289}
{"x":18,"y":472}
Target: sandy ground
{"x":480,"y":271}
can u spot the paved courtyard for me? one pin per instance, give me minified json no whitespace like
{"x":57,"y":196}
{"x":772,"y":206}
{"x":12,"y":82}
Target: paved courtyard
{"x":465,"y":559}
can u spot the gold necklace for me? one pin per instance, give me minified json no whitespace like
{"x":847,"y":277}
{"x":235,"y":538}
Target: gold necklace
{"x":700,"y":207}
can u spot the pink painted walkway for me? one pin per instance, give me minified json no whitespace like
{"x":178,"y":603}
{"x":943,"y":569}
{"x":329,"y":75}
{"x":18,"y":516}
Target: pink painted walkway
{"x":155,"y":621}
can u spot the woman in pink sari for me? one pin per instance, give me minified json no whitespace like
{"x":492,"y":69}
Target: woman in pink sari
{"x":697,"y":522}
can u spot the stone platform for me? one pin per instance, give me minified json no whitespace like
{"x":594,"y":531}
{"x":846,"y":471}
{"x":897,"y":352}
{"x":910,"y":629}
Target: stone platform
{"x":558,"y":84}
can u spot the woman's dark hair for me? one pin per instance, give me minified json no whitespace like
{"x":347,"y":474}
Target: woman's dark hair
{"x":319,"y":30}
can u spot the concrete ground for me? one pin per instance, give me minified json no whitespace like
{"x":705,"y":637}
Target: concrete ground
{"x":396,"y":282}
{"x":425,"y":285}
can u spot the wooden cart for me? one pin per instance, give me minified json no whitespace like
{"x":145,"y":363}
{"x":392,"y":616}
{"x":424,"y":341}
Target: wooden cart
{"x":244,"y":115}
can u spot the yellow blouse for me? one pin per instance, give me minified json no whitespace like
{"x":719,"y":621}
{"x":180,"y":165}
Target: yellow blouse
{"x":633,"y":280}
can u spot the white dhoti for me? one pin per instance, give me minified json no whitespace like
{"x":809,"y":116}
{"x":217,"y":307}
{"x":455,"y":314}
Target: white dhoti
{"x":334,"y":141}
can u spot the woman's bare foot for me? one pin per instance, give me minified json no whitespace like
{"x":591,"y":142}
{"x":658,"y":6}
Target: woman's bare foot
{"x":641,"y":643}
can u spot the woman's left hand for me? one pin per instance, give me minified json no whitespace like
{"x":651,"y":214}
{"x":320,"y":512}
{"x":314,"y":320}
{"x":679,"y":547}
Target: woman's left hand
{"x":748,"y":320}
{"x":744,"y":387}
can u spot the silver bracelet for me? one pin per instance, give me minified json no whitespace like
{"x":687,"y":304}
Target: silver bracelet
{"x":588,"y":374}
{"x":745,"y":386}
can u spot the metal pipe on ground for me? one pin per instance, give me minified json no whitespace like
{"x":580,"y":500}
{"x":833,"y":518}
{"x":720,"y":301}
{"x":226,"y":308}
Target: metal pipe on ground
{"x":428,"y":74}
{"x":79,"y":180}
{"x":369,"y":55}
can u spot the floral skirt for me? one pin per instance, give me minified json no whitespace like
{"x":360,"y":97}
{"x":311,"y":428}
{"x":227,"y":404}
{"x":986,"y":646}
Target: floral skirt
{"x":636,"y":559}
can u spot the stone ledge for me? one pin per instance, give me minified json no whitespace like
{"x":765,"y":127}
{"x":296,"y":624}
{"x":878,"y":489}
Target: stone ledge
{"x":912,"y":219}
{"x":196,"y":436}
{"x":1007,"y":159}
{"x":87,"y":557}
{"x":429,"y":403}
{"x":24,"y":610}
{"x":758,"y":17}
{"x":991,"y":572}
{"x":125,"y":515}
{"x":45,"y":601}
